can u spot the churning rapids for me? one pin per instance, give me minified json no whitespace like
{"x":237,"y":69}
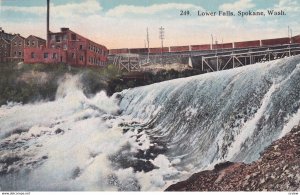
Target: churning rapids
{"x":148,"y":137}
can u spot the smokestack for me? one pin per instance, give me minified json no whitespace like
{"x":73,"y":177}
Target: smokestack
{"x":48,"y":13}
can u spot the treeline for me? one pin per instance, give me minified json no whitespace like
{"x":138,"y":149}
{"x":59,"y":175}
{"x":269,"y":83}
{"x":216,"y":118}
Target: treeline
{"x":121,"y":83}
{"x":26,"y":83}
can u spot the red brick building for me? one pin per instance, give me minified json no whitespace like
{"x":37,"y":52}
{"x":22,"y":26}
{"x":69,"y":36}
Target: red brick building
{"x":44,"y":55}
{"x":68,"y":47}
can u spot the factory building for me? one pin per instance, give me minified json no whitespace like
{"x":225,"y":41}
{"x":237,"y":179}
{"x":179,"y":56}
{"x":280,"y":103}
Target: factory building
{"x":67,"y":47}
{"x":12,"y":46}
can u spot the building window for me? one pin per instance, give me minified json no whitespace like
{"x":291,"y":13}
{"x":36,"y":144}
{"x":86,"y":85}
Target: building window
{"x":57,"y":38}
{"x":73,"y":37}
{"x":32,"y":55}
{"x":73,"y":55}
{"x":65,"y":37}
{"x":65,"y":46}
{"x":28,"y":43}
{"x":52,"y":37}
{"x":45,"y":55}
{"x":20,"y":43}
{"x":20,"y":53}
{"x":81,"y":58}
{"x":15,"y":53}
{"x":80,"y":47}
{"x":15,"y":43}
{"x":33,"y":43}
{"x":54,"y":56}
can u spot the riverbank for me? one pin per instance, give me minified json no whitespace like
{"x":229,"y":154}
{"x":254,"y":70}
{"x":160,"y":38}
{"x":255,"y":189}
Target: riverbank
{"x":27,"y":83}
{"x":276,"y":170}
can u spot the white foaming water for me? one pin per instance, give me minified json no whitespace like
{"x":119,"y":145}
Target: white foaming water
{"x":67,"y":144}
{"x":165,"y":132}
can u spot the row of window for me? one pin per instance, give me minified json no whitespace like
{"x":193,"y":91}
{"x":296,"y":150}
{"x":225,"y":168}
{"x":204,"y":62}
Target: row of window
{"x":96,"y":49}
{"x":58,"y":38}
{"x":20,"y":53}
{"x":32,"y":43}
{"x":16,"y":43}
{"x":80,"y":47}
{"x":65,"y":47}
{"x":96,"y":61}
{"x":46,"y":55}
{"x":27,"y":43}
{"x":54,"y":55}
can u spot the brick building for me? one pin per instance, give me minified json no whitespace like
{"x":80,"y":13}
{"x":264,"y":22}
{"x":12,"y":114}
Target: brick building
{"x":12,"y":45}
{"x":6,"y":36}
{"x":68,"y":47}
{"x":44,"y":55}
{"x":5,"y":39}
{"x":4,"y":50}
{"x":17,"y":44}
{"x":34,"y":42}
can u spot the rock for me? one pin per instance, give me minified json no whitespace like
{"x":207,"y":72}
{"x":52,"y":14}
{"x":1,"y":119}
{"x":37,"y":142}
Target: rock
{"x":222,"y":165}
{"x":59,"y":131}
{"x":276,"y":170}
{"x":44,"y":157}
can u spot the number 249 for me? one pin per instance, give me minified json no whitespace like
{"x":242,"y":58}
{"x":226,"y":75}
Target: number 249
{"x":185,"y":12}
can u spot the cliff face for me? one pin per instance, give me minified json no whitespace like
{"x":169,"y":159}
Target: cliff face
{"x":276,"y":170}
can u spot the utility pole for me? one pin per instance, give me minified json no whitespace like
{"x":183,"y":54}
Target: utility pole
{"x":216,"y":45}
{"x":162,"y":37}
{"x":212,"y":41}
{"x":222,"y":45}
{"x":290,"y":33}
{"x":148,"y":45}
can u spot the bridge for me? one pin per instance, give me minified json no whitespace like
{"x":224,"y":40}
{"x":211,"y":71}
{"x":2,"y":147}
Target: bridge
{"x":209,"y":60}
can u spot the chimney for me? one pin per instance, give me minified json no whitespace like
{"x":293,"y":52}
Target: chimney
{"x":48,"y":13}
{"x":64,"y":29}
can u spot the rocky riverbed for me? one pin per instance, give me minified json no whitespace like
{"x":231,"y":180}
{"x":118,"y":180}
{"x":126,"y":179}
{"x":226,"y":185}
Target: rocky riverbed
{"x":276,"y":170}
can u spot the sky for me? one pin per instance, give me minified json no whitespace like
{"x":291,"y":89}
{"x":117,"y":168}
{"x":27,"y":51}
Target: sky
{"x":123,"y":23}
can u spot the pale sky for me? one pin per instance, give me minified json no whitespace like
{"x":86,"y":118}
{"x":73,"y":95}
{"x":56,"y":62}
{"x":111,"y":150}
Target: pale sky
{"x":123,"y":23}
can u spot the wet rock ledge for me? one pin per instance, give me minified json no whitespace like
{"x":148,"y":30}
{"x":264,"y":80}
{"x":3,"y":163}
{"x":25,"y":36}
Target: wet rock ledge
{"x":278,"y":169}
